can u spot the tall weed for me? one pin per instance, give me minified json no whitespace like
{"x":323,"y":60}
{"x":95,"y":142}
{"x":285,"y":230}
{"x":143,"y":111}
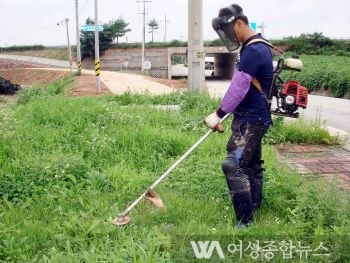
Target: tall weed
{"x":69,"y":165}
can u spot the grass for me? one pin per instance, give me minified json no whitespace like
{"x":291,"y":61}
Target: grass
{"x":68,"y":166}
{"x":60,"y":53}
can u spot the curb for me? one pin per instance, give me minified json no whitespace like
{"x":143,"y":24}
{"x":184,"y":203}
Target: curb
{"x":344,"y":136}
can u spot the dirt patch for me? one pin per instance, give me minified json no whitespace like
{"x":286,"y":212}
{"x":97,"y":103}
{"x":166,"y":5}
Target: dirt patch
{"x":85,"y":85}
{"x":15,"y":64}
{"x":30,"y":77}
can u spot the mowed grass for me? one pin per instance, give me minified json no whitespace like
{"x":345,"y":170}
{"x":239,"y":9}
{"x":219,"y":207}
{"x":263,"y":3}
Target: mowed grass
{"x":68,"y":166}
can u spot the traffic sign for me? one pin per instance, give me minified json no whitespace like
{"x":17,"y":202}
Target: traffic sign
{"x":147,"y":64}
{"x":92,"y":28}
{"x":253,"y":25}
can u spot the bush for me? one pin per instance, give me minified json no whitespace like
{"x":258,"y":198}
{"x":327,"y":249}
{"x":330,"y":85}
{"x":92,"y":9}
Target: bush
{"x":314,"y":44}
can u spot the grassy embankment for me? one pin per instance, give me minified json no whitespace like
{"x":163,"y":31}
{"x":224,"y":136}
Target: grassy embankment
{"x":60,"y":53}
{"x":70,"y":165}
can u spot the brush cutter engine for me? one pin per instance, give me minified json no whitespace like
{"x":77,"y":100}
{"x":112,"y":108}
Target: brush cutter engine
{"x":289,"y":96}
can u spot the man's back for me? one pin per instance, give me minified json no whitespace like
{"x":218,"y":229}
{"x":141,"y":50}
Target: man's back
{"x":256,"y":60}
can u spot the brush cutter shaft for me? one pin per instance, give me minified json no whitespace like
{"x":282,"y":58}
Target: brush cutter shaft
{"x":133,"y":204}
{"x":167,"y":172}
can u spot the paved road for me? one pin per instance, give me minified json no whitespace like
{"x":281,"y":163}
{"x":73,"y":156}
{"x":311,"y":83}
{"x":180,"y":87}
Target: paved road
{"x":333,"y":111}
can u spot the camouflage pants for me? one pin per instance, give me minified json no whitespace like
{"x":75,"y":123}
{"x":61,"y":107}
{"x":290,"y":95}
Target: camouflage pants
{"x":243,"y":168}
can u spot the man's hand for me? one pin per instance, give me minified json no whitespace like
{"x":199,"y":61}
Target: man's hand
{"x":213,"y":122}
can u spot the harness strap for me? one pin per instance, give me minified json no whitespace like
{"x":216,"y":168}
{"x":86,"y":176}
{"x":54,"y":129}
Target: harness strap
{"x":257,"y":85}
{"x":255,"y":40}
{"x":255,"y":81}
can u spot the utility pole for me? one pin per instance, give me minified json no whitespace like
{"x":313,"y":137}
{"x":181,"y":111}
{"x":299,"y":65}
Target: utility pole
{"x":143,"y":33}
{"x":165,"y":26}
{"x":78,"y":36}
{"x":196,"y":55}
{"x":262,"y":27}
{"x":69,"y":48}
{"x":97,"y":51}
{"x":181,"y":37}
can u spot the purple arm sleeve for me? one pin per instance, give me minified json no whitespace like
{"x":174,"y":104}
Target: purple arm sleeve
{"x":236,"y":92}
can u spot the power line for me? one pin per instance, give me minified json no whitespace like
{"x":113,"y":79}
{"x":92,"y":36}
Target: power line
{"x":42,"y":27}
{"x":29,"y":32}
{"x":84,"y":6}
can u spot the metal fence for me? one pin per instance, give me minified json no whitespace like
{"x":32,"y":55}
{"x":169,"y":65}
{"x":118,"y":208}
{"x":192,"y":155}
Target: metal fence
{"x":129,"y":60}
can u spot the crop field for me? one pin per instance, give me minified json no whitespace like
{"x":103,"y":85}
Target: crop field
{"x":68,"y":166}
{"x":330,"y":73}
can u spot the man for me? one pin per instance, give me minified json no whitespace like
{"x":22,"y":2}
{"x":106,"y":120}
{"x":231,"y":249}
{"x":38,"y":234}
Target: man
{"x":247,"y":101}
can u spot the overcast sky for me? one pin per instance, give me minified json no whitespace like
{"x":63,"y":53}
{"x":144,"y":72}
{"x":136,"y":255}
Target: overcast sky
{"x":27,"y":22}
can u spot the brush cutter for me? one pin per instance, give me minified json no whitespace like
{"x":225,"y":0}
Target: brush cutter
{"x":123,"y":218}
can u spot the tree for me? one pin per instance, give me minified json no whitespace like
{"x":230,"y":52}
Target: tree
{"x":110,"y":31}
{"x":153,"y":26}
{"x":312,"y":44}
{"x":87,"y":40}
{"x":119,"y":28}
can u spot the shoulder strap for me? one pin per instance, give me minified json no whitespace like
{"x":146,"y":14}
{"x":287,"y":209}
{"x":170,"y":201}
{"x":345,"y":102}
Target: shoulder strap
{"x":255,"y":82}
{"x":256,"y":40}
{"x":259,"y":40}
{"x":257,"y":85}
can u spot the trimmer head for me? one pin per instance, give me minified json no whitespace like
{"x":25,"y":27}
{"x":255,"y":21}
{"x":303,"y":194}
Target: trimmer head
{"x":151,"y":196}
{"x":121,"y":220}
{"x":154,"y":198}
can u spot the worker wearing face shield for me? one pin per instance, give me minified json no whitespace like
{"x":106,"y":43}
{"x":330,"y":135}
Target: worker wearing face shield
{"x":243,"y":163}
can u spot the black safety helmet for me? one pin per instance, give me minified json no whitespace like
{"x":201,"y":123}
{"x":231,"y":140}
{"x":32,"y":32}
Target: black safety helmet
{"x":223,"y":25}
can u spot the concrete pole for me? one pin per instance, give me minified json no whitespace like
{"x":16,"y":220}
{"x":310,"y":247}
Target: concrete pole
{"x":97,"y":51}
{"x":165,"y":24}
{"x":262,"y":26}
{"x":143,"y":36}
{"x":78,"y":37}
{"x":196,"y":73}
{"x":69,"y":48}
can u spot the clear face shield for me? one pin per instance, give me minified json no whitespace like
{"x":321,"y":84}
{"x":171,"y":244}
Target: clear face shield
{"x":223,"y":26}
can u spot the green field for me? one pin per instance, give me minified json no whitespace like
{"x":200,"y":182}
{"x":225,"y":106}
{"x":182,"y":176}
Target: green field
{"x":68,"y":166}
{"x":327,"y":73}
